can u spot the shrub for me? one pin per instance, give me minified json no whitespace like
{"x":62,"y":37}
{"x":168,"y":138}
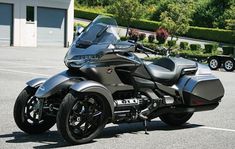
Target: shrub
{"x":184,"y":45}
{"x":194,"y":55}
{"x":133,"y":34}
{"x":161,"y":35}
{"x":151,"y":38}
{"x":140,"y":24}
{"x":152,"y":46}
{"x":195,"y":47}
{"x":219,"y":35}
{"x":142,"y":36}
{"x":171,"y":43}
{"x":123,"y":38}
{"x":228,"y":50}
{"x":144,"y":24}
{"x":210,"y":48}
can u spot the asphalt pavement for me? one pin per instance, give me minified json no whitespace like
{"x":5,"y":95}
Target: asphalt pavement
{"x":205,"y":130}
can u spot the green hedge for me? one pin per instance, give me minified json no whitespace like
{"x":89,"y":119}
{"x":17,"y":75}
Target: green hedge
{"x":171,"y":43}
{"x":209,"y":48}
{"x":140,"y":24}
{"x":195,"y":47}
{"x":85,"y":14}
{"x":228,"y":50}
{"x":184,"y":45}
{"x":218,"y":35}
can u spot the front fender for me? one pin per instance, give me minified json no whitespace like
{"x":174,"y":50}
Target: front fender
{"x":57,"y":83}
{"x":36,"y":82}
{"x":92,"y":86}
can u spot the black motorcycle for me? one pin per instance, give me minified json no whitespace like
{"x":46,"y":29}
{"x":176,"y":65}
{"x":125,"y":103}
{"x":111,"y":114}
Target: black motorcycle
{"x":107,"y":83}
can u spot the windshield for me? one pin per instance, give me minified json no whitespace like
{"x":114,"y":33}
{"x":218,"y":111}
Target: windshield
{"x":99,"y":36}
{"x":102,"y":30}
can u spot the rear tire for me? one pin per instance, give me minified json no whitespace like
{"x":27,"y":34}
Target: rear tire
{"x":81,"y":118}
{"x":229,"y":65}
{"x":214,"y":63}
{"x":24,"y":114}
{"x":175,"y":119}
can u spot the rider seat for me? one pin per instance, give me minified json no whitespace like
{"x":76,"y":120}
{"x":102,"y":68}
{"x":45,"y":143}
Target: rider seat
{"x":167,"y":71}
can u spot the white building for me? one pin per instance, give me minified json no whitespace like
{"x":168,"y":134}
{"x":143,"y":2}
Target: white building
{"x":33,"y":23}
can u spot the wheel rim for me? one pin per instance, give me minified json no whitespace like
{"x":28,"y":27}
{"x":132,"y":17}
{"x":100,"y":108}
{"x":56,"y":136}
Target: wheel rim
{"x":31,"y":111}
{"x":213,"y":63}
{"x":85,"y":117}
{"x":228,"y":65}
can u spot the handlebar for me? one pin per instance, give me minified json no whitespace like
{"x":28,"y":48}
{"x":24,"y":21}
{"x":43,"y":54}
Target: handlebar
{"x":142,"y":48}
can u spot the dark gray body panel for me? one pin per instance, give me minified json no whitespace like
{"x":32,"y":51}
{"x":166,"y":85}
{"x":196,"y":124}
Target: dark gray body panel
{"x":36,"y":82}
{"x":207,"y":87}
{"x":70,"y":80}
{"x":92,"y":86}
{"x":202,"y":86}
{"x":55,"y":83}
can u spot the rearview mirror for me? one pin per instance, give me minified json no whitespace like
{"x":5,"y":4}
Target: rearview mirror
{"x":79,"y":30}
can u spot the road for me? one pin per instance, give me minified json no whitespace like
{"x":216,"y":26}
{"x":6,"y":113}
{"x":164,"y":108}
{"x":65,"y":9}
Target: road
{"x":205,"y":130}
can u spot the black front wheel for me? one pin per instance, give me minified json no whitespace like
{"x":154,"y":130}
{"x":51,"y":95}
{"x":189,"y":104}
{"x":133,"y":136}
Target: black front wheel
{"x":26,"y":113}
{"x":175,"y":119}
{"x":81,"y":117}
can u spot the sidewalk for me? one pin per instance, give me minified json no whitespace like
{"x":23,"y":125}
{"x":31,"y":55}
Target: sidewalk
{"x":122,"y":32}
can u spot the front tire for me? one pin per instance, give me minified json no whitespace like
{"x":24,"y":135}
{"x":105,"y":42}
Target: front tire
{"x":81,"y":118}
{"x":25,"y":114}
{"x":175,"y":119}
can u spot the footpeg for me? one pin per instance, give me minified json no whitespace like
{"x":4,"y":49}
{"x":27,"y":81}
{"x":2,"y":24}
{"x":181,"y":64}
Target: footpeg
{"x":143,"y":117}
{"x":147,"y":111}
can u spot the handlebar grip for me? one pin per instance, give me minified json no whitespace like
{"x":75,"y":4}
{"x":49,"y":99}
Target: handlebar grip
{"x":140,"y":46}
{"x":149,"y":50}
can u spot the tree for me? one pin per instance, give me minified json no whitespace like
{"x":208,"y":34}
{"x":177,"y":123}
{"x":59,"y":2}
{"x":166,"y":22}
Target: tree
{"x":212,"y":13}
{"x":230,"y":21}
{"x":126,"y":10}
{"x":177,"y":16}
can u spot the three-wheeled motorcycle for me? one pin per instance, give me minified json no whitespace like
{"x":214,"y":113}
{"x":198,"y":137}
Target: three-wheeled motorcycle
{"x":107,"y":83}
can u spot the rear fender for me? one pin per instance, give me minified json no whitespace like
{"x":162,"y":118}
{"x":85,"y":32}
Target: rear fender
{"x":95,"y":87}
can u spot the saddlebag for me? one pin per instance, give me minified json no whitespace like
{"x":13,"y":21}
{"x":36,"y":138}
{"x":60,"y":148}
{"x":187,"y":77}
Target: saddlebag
{"x":203,"y":90}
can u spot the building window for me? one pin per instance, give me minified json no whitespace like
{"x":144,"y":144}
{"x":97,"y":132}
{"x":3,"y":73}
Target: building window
{"x":30,"y":14}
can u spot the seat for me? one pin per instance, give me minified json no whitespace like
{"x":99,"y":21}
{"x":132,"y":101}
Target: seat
{"x":167,"y":71}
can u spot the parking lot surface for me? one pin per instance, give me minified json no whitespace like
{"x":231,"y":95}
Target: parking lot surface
{"x":205,"y":130}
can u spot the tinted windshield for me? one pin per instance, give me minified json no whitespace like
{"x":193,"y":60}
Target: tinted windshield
{"x":101,"y":30}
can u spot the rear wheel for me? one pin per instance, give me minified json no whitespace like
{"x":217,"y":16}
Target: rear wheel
{"x":229,"y":65}
{"x":81,"y":117}
{"x":214,"y":63}
{"x":26,"y":113}
{"x":175,"y":119}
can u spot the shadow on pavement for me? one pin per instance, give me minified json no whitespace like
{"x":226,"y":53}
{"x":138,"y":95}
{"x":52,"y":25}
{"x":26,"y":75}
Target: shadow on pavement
{"x":52,"y":139}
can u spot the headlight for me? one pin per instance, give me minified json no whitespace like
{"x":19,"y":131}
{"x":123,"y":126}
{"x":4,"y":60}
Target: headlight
{"x":80,"y":60}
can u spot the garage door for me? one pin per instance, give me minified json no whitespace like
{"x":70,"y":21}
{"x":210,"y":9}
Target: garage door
{"x":5,"y":24}
{"x":51,"y":27}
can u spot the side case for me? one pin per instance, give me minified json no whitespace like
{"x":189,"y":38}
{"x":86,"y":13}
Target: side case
{"x":203,"y":90}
